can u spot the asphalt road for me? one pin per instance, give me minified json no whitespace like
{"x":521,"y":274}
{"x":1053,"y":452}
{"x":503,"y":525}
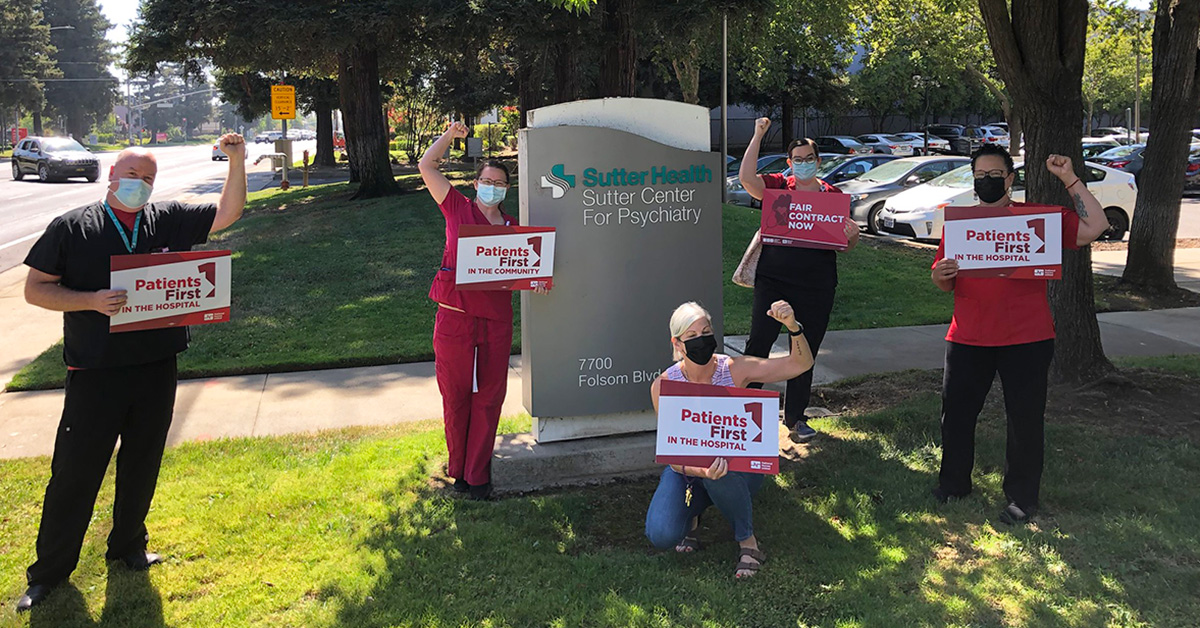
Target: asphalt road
{"x":26,"y":207}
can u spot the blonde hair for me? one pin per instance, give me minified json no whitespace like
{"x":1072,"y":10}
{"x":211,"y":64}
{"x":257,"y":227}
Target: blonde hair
{"x":682,"y":318}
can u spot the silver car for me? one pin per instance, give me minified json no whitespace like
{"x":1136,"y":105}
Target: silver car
{"x":887,"y":144}
{"x":869,"y":191}
{"x":917,"y":140}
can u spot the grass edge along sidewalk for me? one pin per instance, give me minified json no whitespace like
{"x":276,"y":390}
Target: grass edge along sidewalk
{"x":345,"y":528}
{"x":322,"y":282}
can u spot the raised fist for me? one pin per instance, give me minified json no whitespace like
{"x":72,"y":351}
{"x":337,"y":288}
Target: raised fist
{"x":233,"y":145}
{"x":457,"y":130}
{"x":782,"y":312}
{"x":1061,"y":167}
{"x":761,"y":125}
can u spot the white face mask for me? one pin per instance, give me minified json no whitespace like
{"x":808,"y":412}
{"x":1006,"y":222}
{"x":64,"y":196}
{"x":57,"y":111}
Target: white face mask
{"x":133,"y":193}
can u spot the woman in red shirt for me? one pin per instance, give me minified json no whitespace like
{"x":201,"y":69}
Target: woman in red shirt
{"x":806,"y":277}
{"x":472,"y":334}
{"x":1003,"y":325}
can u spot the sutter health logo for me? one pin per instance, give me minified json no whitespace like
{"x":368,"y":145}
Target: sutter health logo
{"x":558,"y":181}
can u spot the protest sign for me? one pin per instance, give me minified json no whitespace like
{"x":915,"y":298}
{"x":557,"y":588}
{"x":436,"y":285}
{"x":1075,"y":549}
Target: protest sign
{"x":1017,"y":242}
{"x":700,"y":422}
{"x":171,"y":289}
{"x":812,"y":220}
{"x":498,"y":257}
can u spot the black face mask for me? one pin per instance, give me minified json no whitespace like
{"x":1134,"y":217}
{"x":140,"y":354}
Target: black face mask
{"x":701,"y":348}
{"x":990,"y":189}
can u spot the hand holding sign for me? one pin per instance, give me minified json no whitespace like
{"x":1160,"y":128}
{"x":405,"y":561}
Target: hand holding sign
{"x":717,"y":469}
{"x":109,"y":302}
{"x":945,"y":269}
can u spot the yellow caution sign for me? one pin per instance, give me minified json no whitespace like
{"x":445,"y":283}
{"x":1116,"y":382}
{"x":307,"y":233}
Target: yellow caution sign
{"x":283,"y":102}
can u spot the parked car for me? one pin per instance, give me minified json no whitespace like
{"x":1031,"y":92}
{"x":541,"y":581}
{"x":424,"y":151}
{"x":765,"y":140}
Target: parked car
{"x":992,"y":135}
{"x":869,"y":191}
{"x":767,"y":164}
{"x":731,"y":164}
{"x":1127,"y":158}
{"x":887,"y":144}
{"x":1103,"y":131}
{"x":1191,"y":181}
{"x":961,"y":141}
{"x":53,"y":158}
{"x":1091,"y":150}
{"x":936,"y":144}
{"x":918,"y":213}
{"x":834,"y":169}
{"x":842,"y":145}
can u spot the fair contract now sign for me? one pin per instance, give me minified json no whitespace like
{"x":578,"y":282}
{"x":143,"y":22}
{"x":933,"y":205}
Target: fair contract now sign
{"x":1016,"y":242}
{"x":498,"y":257}
{"x":699,"y":422}
{"x":171,"y":289}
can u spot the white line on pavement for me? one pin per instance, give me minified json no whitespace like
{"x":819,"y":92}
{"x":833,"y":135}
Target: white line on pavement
{"x":20,"y":240}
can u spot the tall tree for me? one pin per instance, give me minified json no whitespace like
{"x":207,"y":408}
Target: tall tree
{"x":82,"y":54}
{"x":1176,"y":97}
{"x":24,"y":55}
{"x":1039,"y":48}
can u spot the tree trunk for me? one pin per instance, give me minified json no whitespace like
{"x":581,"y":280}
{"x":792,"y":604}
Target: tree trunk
{"x":326,"y":155}
{"x":618,"y":60}
{"x":686,"y":64}
{"x":362,"y":108}
{"x":566,"y":73}
{"x":1015,"y":131}
{"x":1151,"y":259}
{"x":37,"y":123}
{"x":1039,"y":51}
{"x":788,"y":120}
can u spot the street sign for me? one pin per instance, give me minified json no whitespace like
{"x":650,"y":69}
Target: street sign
{"x":283,"y":102}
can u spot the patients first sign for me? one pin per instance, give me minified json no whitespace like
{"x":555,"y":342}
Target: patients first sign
{"x":171,"y":289}
{"x":698,"y":423}
{"x":497,"y":257}
{"x":1017,"y":242}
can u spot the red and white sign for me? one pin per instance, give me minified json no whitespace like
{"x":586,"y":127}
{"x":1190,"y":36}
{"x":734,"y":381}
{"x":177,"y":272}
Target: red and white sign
{"x":698,"y":423}
{"x":498,"y":257}
{"x":18,"y":134}
{"x":810,"y":220}
{"x":171,"y":289}
{"x":1013,"y":242}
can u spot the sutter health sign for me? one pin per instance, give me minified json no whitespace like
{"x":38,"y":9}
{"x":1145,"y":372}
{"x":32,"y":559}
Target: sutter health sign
{"x":638,"y":227}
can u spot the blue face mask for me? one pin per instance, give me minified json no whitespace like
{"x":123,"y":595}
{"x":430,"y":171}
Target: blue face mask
{"x":804,"y":170}
{"x":133,"y":193}
{"x":490,"y":195}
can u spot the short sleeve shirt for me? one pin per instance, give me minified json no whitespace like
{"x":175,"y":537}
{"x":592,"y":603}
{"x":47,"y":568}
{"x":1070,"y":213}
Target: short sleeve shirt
{"x":77,"y":247}
{"x":999,"y":311}
{"x":807,"y":268}
{"x":491,"y":304}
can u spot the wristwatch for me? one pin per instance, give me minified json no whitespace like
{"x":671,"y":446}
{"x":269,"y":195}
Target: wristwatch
{"x":798,"y":331}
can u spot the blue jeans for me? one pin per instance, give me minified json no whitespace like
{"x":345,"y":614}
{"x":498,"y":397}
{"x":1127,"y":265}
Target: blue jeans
{"x":669,"y":518}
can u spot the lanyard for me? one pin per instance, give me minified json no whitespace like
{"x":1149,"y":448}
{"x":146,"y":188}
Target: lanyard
{"x":137,"y":223}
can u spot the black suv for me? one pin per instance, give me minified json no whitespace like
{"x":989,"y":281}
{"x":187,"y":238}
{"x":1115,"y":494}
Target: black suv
{"x":53,"y":158}
{"x":963,"y":140}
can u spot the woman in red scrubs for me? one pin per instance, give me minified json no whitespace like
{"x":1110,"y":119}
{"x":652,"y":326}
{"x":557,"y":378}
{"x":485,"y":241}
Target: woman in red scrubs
{"x":472,"y":334}
{"x":1004,"y":326}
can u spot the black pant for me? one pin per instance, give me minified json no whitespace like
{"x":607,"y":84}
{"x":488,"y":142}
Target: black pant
{"x":134,"y":403}
{"x":812,"y":308}
{"x":965,"y":384}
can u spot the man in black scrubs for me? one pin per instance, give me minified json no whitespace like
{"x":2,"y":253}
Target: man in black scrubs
{"x":118,"y":385}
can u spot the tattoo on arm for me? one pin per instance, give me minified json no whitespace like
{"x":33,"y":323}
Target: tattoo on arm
{"x":1079,"y":209}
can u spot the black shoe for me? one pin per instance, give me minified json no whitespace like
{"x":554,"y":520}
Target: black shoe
{"x":1014,"y":515}
{"x":943,"y":496}
{"x":461,"y":486}
{"x":141,"y":561}
{"x":34,"y":596}
{"x":801,"y":433}
{"x":481,"y":492}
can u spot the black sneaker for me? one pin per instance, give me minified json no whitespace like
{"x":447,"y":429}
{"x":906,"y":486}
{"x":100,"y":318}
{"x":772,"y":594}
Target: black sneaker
{"x":482,"y":492}
{"x":801,"y":433}
{"x":1014,"y":515}
{"x":461,"y":486}
{"x":943,"y":496}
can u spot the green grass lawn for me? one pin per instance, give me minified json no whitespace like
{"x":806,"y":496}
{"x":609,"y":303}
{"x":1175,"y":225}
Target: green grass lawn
{"x":346,"y":529}
{"x":322,"y":282}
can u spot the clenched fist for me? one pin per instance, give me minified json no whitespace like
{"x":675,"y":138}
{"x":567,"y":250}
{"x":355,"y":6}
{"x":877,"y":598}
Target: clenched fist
{"x":761,"y":125}
{"x":1061,"y":167}
{"x":782,"y":312}
{"x":456,"y":130}
{"x":233,"y":145}
{"x":109,"y":302}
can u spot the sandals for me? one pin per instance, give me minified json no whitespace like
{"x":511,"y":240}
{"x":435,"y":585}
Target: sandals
{"x":745,"y":565}
{"x":689,"y":544}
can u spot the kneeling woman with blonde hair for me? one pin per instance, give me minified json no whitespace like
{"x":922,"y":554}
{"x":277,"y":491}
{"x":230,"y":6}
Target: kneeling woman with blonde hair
{"x":685,"y":492}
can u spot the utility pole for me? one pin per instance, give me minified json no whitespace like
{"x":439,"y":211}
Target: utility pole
{"x":724,"y":101}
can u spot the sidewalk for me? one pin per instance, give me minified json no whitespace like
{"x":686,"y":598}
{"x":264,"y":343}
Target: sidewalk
{"x":268,"y":405}
{"x":1187,"y":266}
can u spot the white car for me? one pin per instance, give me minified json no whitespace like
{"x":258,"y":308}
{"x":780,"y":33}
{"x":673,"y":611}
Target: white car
{"x":917,"y":140}
{"x":217,"y":155}
{"x":917,"y":213}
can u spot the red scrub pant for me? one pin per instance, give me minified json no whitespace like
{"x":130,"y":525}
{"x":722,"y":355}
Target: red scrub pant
{"x":468,"y":348}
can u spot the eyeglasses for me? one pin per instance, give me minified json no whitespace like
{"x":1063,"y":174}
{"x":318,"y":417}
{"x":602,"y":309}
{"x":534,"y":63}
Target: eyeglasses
{"x":807,"y":160}
{"x":499,"y":184}
{"x":999,"y":174}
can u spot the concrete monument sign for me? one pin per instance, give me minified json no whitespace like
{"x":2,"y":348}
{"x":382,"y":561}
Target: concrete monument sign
{"x":635,"y":196}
